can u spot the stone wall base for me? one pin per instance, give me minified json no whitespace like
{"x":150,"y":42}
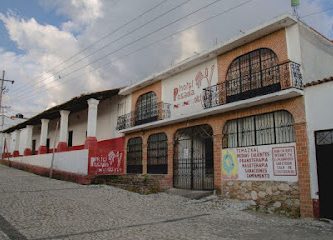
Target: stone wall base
{"x":268,"y":196}
{"x":143,"y":184}
{"x":60,"y":175}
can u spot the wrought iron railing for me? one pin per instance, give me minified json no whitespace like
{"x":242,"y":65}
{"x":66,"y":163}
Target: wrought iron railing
{"x":144,"y":115}
{"x":269,"y":80}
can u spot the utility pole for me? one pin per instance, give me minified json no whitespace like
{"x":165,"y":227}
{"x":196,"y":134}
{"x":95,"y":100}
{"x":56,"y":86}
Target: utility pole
{"x":2,"y":88}
{"x":295,"y":5}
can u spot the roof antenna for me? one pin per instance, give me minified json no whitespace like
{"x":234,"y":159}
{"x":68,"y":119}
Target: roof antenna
{"x":295,"y":5}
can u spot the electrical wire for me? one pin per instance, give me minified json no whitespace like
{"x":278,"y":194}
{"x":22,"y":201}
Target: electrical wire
{"x":116,"y":40}
{"x":131,"y":43}
{"x":103,"y":37}
{"x":162,"y":39}
{"x":316,"y":13}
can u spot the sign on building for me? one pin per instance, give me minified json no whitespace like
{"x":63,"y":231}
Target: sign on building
{"x":260,"y":163}
{"x":184,"y":90}
{"x":109,"y":158}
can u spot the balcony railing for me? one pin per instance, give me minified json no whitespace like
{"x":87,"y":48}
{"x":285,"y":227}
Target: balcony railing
{"x":266,"y":81}
{"x":144,"y":115}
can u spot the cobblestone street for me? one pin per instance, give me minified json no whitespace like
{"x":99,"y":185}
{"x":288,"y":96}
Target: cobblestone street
{"x":34,"y":207}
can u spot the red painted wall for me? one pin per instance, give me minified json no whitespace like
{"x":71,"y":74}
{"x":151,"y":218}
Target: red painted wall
{"x":107,"y":158}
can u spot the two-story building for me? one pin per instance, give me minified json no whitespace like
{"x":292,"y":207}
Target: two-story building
{"x":233,"y":119}
{"x":247,"y":119}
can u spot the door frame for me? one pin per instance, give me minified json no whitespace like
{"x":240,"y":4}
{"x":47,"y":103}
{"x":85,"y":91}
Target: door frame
{"x":317,"y":160}
{"x":209,"y":135}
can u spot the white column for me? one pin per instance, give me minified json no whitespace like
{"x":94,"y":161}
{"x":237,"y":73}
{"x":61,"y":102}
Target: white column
{"x":44,"y":131}
{"x":92,"y":117}
{"x":22,"y":140}
{"x":17,"y":140}
{"x":12,"y":141}
{"x":8,"y":141}
{"x":28,"y":140}
{"x":63,"y":134}
{"x":2,"y":136}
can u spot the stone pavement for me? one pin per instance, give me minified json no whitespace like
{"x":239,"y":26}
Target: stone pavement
{"x":34,"y":207}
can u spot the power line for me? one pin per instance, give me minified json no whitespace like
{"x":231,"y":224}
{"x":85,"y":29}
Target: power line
{"x":315,"y":13}
{"x":150,"y":44}
{"x":162,"y":39}
{"x":2,"y":89}
{"x":104,"y":37}
{"x":136,"y":40}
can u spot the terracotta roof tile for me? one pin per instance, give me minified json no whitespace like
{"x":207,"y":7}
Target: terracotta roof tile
{"x":316,"y":82}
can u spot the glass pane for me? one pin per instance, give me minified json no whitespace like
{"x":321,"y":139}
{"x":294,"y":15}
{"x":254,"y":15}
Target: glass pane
{"x":246,"y":133}
{"x":284,"y":127}
{"x":265,"y":129}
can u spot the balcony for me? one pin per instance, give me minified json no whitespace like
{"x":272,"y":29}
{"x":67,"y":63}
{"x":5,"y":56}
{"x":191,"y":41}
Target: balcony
{"x":146,"y":114}
{"x":266,"y":81}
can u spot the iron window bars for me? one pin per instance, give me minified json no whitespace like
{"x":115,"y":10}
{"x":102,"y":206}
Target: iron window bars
{"x":269,"y":128}
{"x":134,"y":155}
{"x":157,"y":162}
{"x":254,"y":74}
{"x":148,"y":113}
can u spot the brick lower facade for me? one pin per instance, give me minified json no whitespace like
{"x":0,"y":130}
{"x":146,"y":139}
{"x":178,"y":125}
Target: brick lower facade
{"x":294,"y":106}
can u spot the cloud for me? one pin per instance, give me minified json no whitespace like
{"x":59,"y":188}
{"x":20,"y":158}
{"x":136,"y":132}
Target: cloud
{"x":45,"y":46}
{"x":323,"y":21}
{"x":80,"y":13}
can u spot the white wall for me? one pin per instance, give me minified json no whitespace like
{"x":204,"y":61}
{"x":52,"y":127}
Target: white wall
{"x":2,"y":138}
{"x":317,"y":55}
{"x":108,"y":112}
{"x":36,"y":135}
{"x":293,"y":44}
{"x":72,"y":162}
{"x":8,"y":140}
{"x":77,"y":122}
{"x":23,"y":137}
{"x":319,"y":116}
{"x":185,"y":83}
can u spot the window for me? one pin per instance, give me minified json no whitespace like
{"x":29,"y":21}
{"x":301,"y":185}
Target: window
{"x":146,"y":108}
{"x":158,"y":154}
{"x":48,"y":145}
{"x":134,"y":155}
{"x":324,"y":137}
{"x":70,"y":139}
{"x":33,"y":150}
{"x":253,"y":71}
{"x":268,"y":128}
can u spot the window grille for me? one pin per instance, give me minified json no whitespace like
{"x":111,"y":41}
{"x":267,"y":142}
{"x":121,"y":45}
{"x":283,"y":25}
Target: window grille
{"x":268,"y":128}
{"x":324,"y":137}
{"x":146,"y":108}
{"x":157,"y":154}
{"x":255,"y":70}
{"x":134,"y":155}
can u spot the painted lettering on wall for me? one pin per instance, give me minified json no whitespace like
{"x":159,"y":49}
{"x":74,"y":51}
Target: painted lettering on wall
{"x":108,"y":158}
{"x":190,"y":92}
{"x":108,"y":164}
{"x":260,"y":163}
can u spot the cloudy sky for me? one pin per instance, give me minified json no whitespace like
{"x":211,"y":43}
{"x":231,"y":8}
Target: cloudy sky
{"x":57,"y":49}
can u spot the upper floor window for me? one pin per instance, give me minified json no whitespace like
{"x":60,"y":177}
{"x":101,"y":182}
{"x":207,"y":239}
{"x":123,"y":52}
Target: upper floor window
{"x":157,"y":154}
{"x":252,"y":71}
{"x":146,"y":108}
{"x":269,"y":128}
{"x":134,"y":155}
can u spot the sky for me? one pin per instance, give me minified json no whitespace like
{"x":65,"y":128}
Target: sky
{"x":58,"y":49}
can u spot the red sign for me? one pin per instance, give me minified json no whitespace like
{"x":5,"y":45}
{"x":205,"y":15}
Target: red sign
{"x":108,"y":158}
